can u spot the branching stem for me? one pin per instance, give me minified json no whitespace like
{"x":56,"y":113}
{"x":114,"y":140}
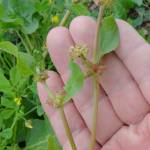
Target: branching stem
{"x":63,"y":117}
{"x":66,"y":16}
{"x":96,"y":89}
{"x":96,"y":41}
{"x":24,"y":43}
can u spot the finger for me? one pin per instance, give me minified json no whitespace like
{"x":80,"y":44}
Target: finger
{"x":134,"y":137}
{"x":58,"y":43}
{"x":76,"y":124}
{"x":83,"y":100}
{"x":81,"y":143}
{"x":116,"y":80}
{"x":126,"y":98}
{"x":107,"y":121}
{"x":135,"y":53}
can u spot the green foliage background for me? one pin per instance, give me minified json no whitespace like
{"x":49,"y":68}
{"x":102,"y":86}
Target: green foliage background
{"x":24,"y":25}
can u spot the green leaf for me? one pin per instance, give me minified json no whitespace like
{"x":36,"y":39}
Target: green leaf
{"x":138,"y":2}
{"x":30,"y":26}
{"x":7,"y":103}
{"x":75,"y":82}
{"x":108,"y":37}
{"x":15,"y":76}
{"x":2,"y":11}
{"x":40,"y":110}
{"x":1,"y":122}
{"x":120,"y":8}
{"x":4,"y":84}
{"x":7,"y":133}
{"x":26,"y":64}
{"x":80,"y":9}
{"x":128,"y":4}
{"x":8,"y":47}
{"x":52,"y":145}
{"x":37,"y":137}
{"x":7,"y":113}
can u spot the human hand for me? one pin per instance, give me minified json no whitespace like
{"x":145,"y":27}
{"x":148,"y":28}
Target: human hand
{"x":123,"y":118}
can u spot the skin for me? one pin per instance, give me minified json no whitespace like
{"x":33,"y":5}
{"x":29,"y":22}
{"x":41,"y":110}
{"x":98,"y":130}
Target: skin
{"x":123,"y":116}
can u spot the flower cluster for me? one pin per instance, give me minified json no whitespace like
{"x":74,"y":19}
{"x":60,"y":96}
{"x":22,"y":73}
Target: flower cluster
{"x":59,"y":99}
{"x":78,"y":50}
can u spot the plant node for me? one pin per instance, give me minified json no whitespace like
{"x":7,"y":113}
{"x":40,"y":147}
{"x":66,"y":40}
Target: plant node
{"x":58,"y":99}
{"x":98,"y":69}
{"x":41,"y":76}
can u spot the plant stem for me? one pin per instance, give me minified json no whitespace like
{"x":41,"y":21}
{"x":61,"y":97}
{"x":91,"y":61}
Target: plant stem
{"x":7,"y":61}
{"x":95,"y":111}
{"x":67,"y":129}
{"x":63,"y":117}
{"x":96,"y":41}
{"x":23,"y":42}
{"x":50,"y":94}
{"x":29,"y":42}
{"x":63,"y":21}
{"x":31,"y":110}
{"x":95,"y":81}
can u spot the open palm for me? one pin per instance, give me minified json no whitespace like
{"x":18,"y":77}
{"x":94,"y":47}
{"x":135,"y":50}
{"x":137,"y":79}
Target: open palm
{"x":123,"y":117}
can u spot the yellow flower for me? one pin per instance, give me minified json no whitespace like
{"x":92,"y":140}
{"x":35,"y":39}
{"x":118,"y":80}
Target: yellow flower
{"x":55,"y":19}
{"x":18,"y":100}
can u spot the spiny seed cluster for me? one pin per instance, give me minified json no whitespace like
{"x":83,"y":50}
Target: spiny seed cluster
{"x":78,"y":51}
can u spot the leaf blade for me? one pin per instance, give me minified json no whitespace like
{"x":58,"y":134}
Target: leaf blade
{"x":107,"y":30}
{"x":26,"y":64}
{"x":8,"y":47}
{"x":75,"y":82}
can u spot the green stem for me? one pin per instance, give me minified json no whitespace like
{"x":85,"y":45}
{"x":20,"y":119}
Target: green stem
{"x":96,"y":41}
{"x":50,"y":94}
{"x":95,"y":111}
{"x":95,"y":81}
{"x":8,"y":63}
{"x":4,"y":62}
{"x":67,"y":129}
{"x":63,"y":117}
{"x":15,"y":132}
{"x":29,"y":42}
{"x":23,"y":42}
{"x":31,"y":110}
{"x":62,"y":23}
{"x":65,"y":18}
{"x":14,"y":122}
